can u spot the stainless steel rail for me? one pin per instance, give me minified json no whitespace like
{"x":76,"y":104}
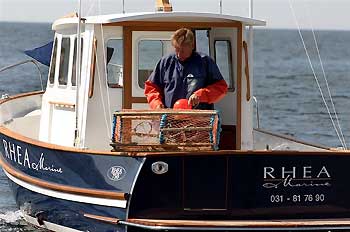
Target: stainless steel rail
{"x":36,"y":63}
{"x":257,"y":111}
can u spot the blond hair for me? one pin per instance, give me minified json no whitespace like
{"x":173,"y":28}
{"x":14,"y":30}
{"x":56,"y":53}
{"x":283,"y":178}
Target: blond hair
{"x":182,"y":36}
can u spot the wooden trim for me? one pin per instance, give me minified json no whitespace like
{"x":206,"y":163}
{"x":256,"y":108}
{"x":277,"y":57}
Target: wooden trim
{"x":127,"y":69}
{"x":110,"y":220}
{"x":246,"y":69}
{"x":92,"y":69}
{"x":151,"y":25}
{"x":20,"y":96}
{"x":139,"y":100}
{"x":244,"y":223}
{"x":239,"y":88}
{"x":114,"y":86}
{"x":62,"y":104}
{"x":59,"y":187}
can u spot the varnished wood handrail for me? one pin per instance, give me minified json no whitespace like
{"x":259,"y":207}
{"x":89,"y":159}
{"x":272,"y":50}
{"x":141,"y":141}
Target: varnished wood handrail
{"x":10,"y":98}
{"x":246,"y":69}
{"x":60,"y":187}
{"x":110,"y":220}
{"x":92,"y":68}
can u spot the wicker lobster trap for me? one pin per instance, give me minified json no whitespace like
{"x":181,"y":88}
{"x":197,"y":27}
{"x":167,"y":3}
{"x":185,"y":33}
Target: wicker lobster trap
{"x":165,"y":130}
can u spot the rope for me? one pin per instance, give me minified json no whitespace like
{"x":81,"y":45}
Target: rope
{"x":314,"y":74}
{"x":106,"y":118}
{"x":108,"y":125}
{"x":102,"y":99}
{"x":326,"y":81}
{"x":105,"y":65}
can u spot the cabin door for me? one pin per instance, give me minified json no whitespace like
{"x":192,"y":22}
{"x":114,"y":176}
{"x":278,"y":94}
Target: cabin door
{"x":148,"y":47}
{"x":223,"y":49}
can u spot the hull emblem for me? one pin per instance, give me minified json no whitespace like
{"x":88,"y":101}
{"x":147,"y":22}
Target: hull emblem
{"x":159,"y":167}
{"x":116,"y":173}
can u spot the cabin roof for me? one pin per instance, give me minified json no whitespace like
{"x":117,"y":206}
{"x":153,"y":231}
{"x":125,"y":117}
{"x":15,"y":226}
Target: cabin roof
{"x":161,"y":17}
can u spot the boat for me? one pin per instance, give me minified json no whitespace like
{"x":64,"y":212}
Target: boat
{"x":87,"y":154}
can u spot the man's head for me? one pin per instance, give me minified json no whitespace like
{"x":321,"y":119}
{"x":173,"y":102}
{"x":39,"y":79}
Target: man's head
{"x":183,"y":43}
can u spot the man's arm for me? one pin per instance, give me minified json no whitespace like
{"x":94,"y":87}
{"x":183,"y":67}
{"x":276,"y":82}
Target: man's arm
{"x":153,"y":88}
{"x":154,"y":95}
{"x":212,"y":93}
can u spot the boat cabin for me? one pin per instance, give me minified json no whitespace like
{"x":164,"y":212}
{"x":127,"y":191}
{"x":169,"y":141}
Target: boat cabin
{"x":119,"y":52}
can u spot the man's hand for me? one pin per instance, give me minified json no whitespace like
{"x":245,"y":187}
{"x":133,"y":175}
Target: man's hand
{"x":193,"y":100}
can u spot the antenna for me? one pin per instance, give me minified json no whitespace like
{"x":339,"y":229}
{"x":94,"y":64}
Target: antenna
{"x":220,"y":6}
{"x":251,"y":11}
{"x":78,"y":76}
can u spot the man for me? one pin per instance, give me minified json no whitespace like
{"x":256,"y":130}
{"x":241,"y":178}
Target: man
{"x":186,"y":74}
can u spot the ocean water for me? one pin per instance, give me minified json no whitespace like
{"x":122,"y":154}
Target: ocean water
{"x":288,"y":96}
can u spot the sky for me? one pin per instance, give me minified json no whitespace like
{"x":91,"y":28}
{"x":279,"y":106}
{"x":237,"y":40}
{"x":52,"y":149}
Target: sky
{"x":317,"y":14}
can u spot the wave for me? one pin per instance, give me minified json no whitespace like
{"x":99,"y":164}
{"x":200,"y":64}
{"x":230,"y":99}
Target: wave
{"x":14,"y":221}
{"x":11,"y":216}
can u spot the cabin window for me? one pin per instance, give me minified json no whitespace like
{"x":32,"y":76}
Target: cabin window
{"x":223,"y":59}
{"x":53,"y":63}
{"x":149,"y":53}
{"x":202,"y":41}
{"x":64,"y":61}
{"x":74,"y":72}
{"x":114,"y":58}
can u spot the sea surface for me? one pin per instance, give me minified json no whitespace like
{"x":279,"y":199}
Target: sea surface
{"x":284,"y":84}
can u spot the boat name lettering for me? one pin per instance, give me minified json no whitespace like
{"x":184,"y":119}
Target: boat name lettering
{"x":296,"y":177}
{"x":21,"y":156}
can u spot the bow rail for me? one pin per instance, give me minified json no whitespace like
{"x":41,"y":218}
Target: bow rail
{"x":25,"y":62}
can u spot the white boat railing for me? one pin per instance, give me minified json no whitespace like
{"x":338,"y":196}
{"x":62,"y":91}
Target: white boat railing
{"x":25,"y":62}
